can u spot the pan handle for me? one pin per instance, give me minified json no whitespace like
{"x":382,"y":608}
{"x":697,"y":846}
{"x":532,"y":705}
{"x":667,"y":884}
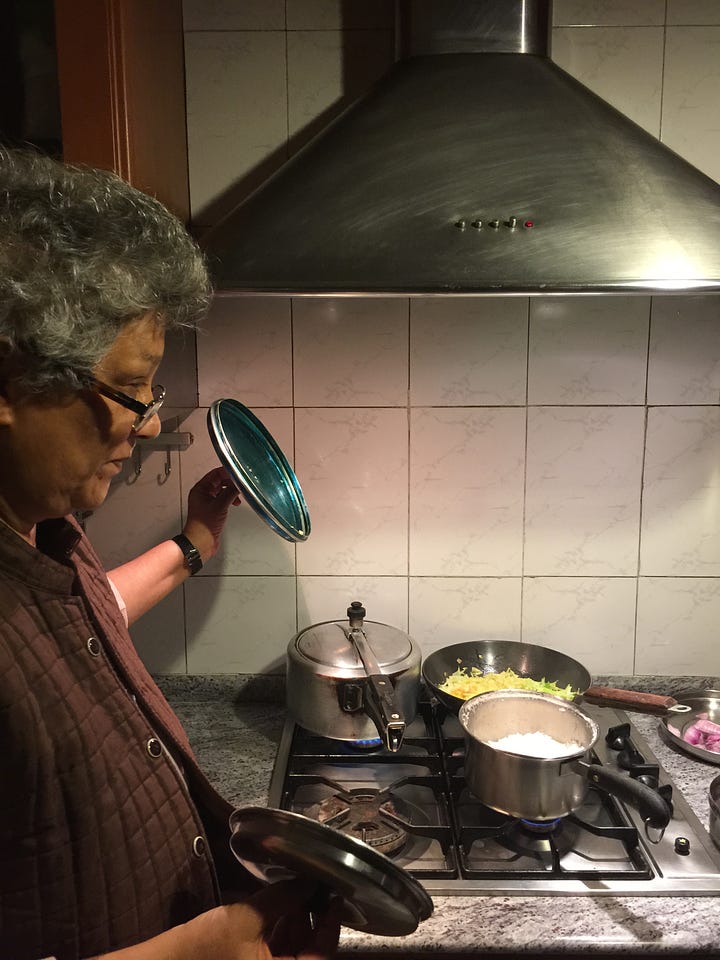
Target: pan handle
{"x":655,"y":812}
{"x":636,"y":700}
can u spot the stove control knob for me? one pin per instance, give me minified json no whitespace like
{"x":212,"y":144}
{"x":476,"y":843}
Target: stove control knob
{"x":629,"y":756}
{"x":616,"y":736}
{"x":682,"y":846}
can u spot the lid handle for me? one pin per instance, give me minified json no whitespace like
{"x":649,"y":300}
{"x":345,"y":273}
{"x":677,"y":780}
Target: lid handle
{"x":380,"y":703}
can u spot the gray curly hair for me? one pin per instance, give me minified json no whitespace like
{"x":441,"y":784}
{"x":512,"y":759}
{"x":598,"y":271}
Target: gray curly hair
{"x":82,"y":253}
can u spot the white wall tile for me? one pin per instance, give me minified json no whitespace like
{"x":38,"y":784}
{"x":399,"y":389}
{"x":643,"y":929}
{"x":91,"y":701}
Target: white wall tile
{"x":447,"y":610}
{"x":582,"y":509}
{"x":350,"y":352}
{"x":326,"y":66}
{"x":234,"y":14}
{"x":681,"y":493}
{"x":236,"y":110}
{"x":684,"y":363}
{"x":159,"y":636}
{"x":139,"y":512}
{"x":245,"y":351}
{"x":466,"y":490}
{"x":623,"y":66}
{"x":249,"y":545}
{"x":693,"y":12}
{"x":591,"y":619}
{"x":337,"y":15}
{"x":353,"y":465}
{"x":239,"y":624}
{"x":327,"y":598}
{"x":468,"y":351}
{"x":690,"y":96}
{"x":588,"y":350}
{"x":612,"y":13}
{"x":677,"y":626}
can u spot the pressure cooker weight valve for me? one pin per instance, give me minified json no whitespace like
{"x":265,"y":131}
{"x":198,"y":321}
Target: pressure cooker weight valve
{"x":356,"y":614}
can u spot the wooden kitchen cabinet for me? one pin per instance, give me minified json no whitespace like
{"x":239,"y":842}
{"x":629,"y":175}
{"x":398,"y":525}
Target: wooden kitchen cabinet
{"x":121,"y":78}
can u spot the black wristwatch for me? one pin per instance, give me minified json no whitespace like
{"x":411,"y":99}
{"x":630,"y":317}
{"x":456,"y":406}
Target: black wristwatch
{"x":193,"y":560}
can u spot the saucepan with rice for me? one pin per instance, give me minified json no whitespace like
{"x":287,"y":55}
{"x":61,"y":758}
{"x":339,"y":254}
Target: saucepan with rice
{"x":528,"y":755}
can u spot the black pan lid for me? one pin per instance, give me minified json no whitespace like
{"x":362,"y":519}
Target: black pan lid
{"x":259,"y":469}
{"x":379,"y":896}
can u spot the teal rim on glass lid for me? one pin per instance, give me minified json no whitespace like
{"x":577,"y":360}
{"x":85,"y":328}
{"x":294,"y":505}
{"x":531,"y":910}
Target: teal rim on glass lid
{"x":259,"y":469}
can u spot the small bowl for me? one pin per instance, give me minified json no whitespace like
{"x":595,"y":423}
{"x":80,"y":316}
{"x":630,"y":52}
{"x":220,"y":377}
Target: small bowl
{"x":714,"y":798}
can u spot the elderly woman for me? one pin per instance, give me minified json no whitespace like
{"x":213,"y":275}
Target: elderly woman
{"x":112,"y":841}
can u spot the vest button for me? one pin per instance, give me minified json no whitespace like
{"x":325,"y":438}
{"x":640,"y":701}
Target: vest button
{"x":199,"y":846}
{"x":93,"y":645}
{"x":154,"y":747}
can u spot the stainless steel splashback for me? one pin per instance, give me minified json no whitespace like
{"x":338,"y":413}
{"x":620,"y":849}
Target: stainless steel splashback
{"x":473,"y":169}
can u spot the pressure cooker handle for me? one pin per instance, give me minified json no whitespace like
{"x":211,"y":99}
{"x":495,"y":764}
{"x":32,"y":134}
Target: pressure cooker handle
{"x":380,"y":703}
{"x":380,"y":706}
{"x":656,"y":813}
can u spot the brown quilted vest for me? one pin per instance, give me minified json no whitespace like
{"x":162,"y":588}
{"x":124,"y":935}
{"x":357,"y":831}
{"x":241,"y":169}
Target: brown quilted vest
{"x":102,"y":843}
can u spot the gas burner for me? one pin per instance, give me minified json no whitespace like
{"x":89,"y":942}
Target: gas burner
{"x":360,"y":746}
{"x":541,"y":827}
{"x":366,"y":815}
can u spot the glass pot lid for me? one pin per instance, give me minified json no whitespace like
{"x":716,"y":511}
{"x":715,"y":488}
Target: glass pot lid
{"x":259,"y":469}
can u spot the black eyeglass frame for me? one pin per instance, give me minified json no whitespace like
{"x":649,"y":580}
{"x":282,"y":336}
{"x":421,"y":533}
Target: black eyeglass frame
{"x":145,"y":411}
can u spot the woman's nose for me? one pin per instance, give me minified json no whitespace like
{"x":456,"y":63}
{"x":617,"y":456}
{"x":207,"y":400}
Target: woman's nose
{"x":150,"y":429}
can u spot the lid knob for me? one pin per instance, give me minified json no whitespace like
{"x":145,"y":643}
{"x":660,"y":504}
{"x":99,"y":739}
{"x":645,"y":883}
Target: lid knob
{"x":356,"y":611}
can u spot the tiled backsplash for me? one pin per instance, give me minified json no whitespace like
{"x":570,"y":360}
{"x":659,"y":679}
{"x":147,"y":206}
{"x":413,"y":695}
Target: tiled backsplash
{"x":544,"y":468}
{"x":473,"y":467}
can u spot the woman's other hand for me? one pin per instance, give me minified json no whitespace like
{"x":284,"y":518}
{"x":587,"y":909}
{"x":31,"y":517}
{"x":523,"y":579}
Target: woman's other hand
{"x":209,"y":501}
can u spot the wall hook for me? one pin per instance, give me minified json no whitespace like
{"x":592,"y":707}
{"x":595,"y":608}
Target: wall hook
{"x":165,"y":476}
{"x":137,"y":466}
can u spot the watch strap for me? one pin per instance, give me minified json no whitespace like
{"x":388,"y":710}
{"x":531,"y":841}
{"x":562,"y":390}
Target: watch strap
{"x":193,"y":560}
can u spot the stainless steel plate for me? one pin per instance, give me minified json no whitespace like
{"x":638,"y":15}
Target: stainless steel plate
{"x":379,"y":896}
{"x":701,"y":702}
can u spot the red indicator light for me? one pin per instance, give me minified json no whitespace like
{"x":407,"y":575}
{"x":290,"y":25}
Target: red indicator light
{"x":529,"y":223}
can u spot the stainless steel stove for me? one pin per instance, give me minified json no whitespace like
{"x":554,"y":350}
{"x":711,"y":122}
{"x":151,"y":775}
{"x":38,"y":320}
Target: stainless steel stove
{"x":415,"y":807}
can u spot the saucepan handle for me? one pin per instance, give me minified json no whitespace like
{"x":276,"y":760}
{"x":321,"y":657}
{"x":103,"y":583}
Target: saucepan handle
{"x":655,"y":812}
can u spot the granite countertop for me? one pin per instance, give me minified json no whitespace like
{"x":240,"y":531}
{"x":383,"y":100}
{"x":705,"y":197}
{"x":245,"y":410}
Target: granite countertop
{"x":235,"y":735}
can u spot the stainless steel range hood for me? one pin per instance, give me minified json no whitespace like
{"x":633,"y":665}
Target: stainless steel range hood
{"x":476,"y":166}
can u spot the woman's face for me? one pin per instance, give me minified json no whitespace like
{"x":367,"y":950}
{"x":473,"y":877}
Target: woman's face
{"x":60,"y":455}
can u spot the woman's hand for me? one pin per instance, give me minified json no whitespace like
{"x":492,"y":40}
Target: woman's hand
{"x":273,"y":924}
{"x":209,"y":501}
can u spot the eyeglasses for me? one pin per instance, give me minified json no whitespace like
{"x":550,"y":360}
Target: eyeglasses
{"x":144,"y":411}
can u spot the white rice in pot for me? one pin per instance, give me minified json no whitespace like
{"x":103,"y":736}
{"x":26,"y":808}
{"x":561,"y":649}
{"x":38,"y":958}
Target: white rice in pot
{"x":535,"y":745}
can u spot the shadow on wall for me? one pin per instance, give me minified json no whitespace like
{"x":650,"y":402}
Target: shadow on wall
{"x":354,"y":85}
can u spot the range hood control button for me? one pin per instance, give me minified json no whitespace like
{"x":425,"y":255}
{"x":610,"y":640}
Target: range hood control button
{"x":478,"y":224}
{"x":495,"y":224}
{"x":461,"y":224}
{"x":512,"y":222}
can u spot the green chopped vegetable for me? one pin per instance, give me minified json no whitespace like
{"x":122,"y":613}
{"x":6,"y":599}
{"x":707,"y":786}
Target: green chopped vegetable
{"x":464,"y":685}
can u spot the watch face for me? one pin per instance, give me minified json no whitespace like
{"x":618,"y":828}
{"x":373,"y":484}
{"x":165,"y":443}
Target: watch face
{"x":259,"y":469}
